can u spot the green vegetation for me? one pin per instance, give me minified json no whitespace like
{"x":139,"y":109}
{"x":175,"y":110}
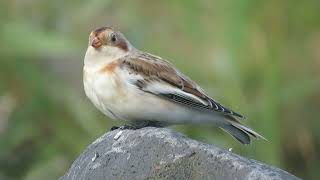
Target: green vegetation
{"x":261,"y":58}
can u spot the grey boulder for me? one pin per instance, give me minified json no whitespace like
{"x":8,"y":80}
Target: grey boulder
{"x":160,"y":153}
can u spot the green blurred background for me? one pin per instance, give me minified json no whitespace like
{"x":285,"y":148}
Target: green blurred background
{"x":262,"y":58}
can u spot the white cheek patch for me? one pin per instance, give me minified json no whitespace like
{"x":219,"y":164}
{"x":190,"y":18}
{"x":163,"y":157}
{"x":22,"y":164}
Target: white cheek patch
{"x":112,"y":52}
{"x":97,"y":58}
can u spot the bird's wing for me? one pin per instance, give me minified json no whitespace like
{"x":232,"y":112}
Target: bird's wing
{"x":159,"y":77}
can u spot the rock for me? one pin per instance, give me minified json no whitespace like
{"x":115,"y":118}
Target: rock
{"x":160,"y":153}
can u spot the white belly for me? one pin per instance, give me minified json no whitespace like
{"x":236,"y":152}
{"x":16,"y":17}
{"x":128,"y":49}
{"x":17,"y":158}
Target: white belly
{"x":113,"y":95}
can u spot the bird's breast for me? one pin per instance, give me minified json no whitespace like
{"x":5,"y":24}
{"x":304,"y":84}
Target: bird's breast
{"x":104,"y":87}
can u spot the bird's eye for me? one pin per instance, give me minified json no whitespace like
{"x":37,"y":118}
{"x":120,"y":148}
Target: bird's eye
{"x":113,"y":38}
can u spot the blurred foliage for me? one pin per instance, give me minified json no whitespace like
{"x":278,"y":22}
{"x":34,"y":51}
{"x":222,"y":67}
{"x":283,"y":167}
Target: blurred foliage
{"x":261,"y":58}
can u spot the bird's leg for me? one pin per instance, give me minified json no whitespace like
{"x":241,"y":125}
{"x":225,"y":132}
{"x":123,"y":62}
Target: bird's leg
{"x":114,"y":128}
{"x":123,"y":127}
{"x":128,"y":127}
{"x":140,"y":124}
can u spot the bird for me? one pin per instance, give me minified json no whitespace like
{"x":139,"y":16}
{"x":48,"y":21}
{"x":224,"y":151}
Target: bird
{"x":143,"y":89}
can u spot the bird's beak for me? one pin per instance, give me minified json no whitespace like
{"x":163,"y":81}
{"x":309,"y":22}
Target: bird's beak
{"x":94,"y":41}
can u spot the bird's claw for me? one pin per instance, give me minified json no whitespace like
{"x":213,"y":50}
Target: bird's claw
{"x":114,"y":128}
{"x":123,"y":127}
{"x":127,"y":127}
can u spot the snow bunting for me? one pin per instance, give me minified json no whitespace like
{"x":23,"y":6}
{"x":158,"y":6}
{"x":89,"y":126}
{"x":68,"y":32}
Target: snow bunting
{"x":145,"y":90}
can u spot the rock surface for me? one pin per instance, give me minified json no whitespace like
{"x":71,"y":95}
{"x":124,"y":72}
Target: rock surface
{"x":160,"y":153}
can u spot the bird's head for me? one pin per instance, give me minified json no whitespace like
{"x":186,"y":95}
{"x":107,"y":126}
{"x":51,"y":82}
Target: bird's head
{"x":108,"y":41}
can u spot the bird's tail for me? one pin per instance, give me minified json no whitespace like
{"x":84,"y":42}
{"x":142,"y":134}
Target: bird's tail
{"x":240,"y":132}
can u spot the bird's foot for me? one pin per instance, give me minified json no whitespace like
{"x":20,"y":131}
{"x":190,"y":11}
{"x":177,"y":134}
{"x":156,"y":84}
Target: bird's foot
{"x":123,"y":127}
{"x":128,"y":127}
{"x":114,"y":128}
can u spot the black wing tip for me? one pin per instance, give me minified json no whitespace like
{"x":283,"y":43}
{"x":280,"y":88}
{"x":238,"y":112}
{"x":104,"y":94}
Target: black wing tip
{"x":225,"y":110}
{"x":238,"y":115}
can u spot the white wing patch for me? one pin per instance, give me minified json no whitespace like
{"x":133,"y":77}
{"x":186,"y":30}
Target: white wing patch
{"x":161,"y":88}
